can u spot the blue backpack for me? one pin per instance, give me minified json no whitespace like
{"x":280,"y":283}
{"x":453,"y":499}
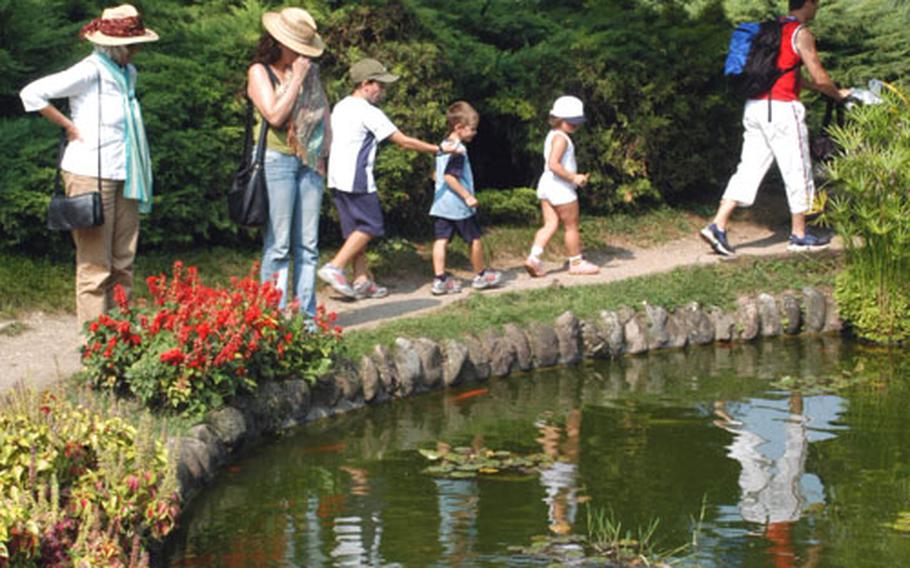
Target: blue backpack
{"x":751,"y":64}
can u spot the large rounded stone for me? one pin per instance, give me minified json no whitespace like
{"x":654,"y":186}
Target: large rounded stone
{"x":502,"y":355}
{"x":207,"y":436}
{"x":792,"y":314}
{"x":229,"y":425}
{"x":833,"y":321}
{"x":635,"y":332}
{"x":701,"y":329}
{"x":478,"y":368}
{"x":677,"y":330}
{"x":593,"y":342}
{"x":815,"y":310}
{"x":724,"y":324}
{"x":348,"y":381}
{"x":658,"y":336}
{"x":385,"y":364}
{"x":612,"y":329}
{"x":769,"y":315}
{"x":407,"y":363}
{"x":748,"y":321}
{"x":431,"y":361}
{"x":524,"y":357}
{"x":568,"y":336}
{"x":455,"y":358}
{"x":544,"y":344}
{"x":369,"y":378}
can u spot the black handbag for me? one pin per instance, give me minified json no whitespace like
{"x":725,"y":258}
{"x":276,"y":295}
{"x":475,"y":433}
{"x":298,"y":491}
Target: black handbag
{"x":79,"y":211}
{"x":822,"y":146}
{"x":248,"y":198}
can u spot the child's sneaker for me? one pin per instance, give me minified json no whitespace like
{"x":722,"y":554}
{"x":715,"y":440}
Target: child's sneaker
{"x":808,"y":243}
{"x":534,"y":267}
{"x":583,"y":268}
{"x":487,"y":279}
{"x":369,"y":289}
{"x":717,"y":239}
{"x":449,"y":285}
{"x":335,"y":278}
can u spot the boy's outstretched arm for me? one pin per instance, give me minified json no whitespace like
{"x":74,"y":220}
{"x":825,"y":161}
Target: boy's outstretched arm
{"x":461,"y":190}
{"x":409,"y":143}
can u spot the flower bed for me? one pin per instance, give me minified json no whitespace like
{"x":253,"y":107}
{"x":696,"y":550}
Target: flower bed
{"x":78,"y":489}
{"x":193,"y":346}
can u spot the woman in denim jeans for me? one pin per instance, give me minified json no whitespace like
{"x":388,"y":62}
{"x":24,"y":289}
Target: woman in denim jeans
{"x":284,"y":86}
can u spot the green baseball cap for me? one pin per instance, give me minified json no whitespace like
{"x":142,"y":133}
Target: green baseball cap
{"x":371,"y":70}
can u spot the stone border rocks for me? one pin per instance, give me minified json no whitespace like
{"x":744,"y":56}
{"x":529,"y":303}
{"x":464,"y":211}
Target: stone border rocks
{"x":420,"y":365}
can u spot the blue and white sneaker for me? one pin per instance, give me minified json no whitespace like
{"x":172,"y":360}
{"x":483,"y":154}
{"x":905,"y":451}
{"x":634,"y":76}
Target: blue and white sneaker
{"x":717,"y":239}
{"x":808,"y":243}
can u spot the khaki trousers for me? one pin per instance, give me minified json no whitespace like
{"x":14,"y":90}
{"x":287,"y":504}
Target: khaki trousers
{"x":104,"y":255}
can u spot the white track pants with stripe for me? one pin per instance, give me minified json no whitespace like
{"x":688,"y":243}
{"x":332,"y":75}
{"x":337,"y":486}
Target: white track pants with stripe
{"x":784,"y":139}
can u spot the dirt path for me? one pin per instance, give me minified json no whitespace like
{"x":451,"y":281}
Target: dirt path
{"x":48,"y":349}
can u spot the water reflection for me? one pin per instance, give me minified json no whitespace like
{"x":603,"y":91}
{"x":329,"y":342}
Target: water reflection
{"x":560,"y":479}
{"x":647,"y":438}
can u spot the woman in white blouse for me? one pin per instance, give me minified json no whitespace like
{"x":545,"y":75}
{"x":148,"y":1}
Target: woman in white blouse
{"x":106,"y":142}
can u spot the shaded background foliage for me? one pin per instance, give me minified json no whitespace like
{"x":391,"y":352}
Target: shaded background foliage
{"x":662,"y":126}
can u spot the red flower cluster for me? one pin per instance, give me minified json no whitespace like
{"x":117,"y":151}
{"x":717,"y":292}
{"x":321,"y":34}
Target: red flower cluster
{"x":193,"y":341}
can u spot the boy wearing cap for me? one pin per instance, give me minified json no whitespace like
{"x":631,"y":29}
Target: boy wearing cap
{"x":358,"y":127}
{"x":454,"y":204}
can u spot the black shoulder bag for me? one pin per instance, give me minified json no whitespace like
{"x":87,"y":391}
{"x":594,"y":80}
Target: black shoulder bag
{"x":79,"y":211}
{"x":822,"y":146}
{"x":248,"y":198}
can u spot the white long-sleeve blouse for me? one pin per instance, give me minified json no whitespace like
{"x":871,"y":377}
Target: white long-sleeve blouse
{"x":79,"y":84}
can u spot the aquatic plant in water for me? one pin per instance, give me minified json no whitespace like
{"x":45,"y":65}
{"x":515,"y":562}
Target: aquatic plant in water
{"x":465,"y":462}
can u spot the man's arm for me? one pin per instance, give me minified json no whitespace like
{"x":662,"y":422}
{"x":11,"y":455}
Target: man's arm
{"x":818,"y":79}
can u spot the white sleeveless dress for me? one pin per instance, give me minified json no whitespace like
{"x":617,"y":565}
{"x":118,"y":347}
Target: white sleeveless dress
{"x":551,"y":187}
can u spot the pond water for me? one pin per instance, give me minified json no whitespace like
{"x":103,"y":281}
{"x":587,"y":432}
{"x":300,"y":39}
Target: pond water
{"x":734,"y":445}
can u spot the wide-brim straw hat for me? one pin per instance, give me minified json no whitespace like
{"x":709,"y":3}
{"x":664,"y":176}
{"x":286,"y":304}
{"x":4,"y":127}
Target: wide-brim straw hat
{"x":121,"y":25}
{"x":296,"y":29}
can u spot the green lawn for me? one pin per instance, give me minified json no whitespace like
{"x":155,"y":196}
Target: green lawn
{"x":718,"y":284}
{"x":42,"y":284}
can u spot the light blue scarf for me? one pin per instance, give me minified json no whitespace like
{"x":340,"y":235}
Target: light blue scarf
{"x":138,"y":183}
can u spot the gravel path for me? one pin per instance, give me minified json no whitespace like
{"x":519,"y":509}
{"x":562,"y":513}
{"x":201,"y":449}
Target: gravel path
{"x":48,"y":349}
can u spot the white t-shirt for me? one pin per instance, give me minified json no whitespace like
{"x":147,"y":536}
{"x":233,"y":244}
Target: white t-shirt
{"x":357,"y":129}
{"x":551,"y":187}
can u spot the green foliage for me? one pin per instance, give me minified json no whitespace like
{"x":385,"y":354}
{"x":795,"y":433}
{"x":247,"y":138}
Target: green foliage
{"x":661,"y":125}
{"x":869,"y":209}
{"x":509,"y":206}
{"x":78,"y":488}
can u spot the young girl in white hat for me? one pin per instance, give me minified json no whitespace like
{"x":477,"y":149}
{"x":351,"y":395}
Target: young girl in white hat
{"x":556,"y":189}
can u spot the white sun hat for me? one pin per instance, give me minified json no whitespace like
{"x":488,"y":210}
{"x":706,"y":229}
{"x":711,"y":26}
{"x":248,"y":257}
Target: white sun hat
{"x":568,"y":108}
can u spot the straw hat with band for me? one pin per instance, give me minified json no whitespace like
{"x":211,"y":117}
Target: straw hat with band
{"x":294,"y":28}
{"x":121,"y":25}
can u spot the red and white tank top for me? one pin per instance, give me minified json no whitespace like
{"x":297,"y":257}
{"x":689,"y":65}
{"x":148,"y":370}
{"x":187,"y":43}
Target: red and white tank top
{"x":788,"y":86}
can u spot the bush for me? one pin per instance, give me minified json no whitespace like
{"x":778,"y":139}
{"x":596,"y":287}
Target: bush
{"x":194,"y":346}
{"x":78,"y":489}
{"x":870,"y":209}
{"x":518,"y":206}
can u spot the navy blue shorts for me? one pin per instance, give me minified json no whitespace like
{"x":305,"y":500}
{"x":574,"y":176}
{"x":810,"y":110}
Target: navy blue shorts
{"x":468,"y":229}
{"x":359,"y":212}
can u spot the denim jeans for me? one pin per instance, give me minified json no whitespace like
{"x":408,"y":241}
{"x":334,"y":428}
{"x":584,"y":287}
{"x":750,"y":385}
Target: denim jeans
{"x":292,"y":230}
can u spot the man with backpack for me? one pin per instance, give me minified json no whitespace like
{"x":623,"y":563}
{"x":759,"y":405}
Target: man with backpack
{"x":775,"y":126}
